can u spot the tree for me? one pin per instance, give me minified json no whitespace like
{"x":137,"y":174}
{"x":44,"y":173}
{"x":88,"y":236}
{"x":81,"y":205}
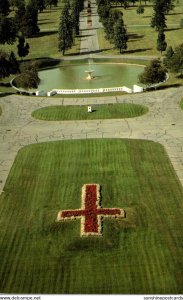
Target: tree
{"x":14,"y":3}
{"x":140,"y":10}
{"x":7,"y":30}
{"x":161,"y":43}
{"x":167,"y":5}
{"x":75,"y":11}
{"x":23,"y":49}
{"x":114,"y":15}
{"x":169,"y":52}
{"x":20,"y":16}
{"x":27,"y":19}
{"x":13,"y":64}
{"x":51,"y":2}
{"x":28,"y":78}
{"x":154,"y":73}
{"x":4,"y":7}
{"x":8,"y":64}
{"x":168,"y":56}
{"x":4,"y":65}
{"x":65,"y":33}
{"x":31,"y":17}
{"x":40,"y":5}
{"x":120,"y":36}
{"x":175,"y":61}
{"x":103,"y":10}
{"x":158,"y":19}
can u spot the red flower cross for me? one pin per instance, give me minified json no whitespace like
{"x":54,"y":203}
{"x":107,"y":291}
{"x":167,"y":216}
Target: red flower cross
{"x":91,"y":212}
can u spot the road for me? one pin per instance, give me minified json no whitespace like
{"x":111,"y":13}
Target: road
{"x":89,"y":38}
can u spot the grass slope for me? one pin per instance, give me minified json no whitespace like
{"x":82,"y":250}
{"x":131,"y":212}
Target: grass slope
{"x":141,"y":254}
{"x":107,"y":111}
{"x":181,"y":104}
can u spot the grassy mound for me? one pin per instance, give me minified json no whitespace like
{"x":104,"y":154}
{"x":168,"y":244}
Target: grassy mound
{"x":141,"y":254}
{"x":104,"y":111}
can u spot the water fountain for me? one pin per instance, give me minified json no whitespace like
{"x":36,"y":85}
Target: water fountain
{"x":89,"y":71}
{"x":89,"y":74}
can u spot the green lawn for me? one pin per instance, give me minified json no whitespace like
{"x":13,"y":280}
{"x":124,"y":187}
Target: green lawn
{"x":143,"y":38}
{"x":107,"y":111}
{"x":139,"y":255}
{"x":45,"y":44}
{"x":181,"y":103}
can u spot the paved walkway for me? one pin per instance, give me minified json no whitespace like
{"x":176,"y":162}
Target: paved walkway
{"x":163,"y":123}
{"x":89,"y":39}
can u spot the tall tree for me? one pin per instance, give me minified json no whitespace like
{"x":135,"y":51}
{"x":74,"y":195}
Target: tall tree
{"x":8,"y":64}
{"x":7,"y":30}
{"x":114,"y":15}
{"x":158,"y":19}
{"x":4,"y":7}
{"x":30,"y":20}
{"x":23,"y":48}
{"x":20,"y":16}
{"x":65,"y":32}
{"x":166,"y":4}
{"x":140,"y":9}
{"x":41,"y":4}
{"x":175,"y":61}
{"x":75,"y":11}
{"x":168,"y":57}
{"x":4,"y":64}
{"x":13,"y":63}
{"x":161,"y":42}
{"x":103,"y":9}
{"x":120,"y":36}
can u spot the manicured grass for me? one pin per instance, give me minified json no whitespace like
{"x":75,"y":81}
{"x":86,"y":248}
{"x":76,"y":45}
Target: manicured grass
{"x":0,"y":111}
{"x":45,"y":44}
{"x":143,"y":38}
{"x":141,"y":254}
{"x":107,"y":111}
{"x":181,"y":103}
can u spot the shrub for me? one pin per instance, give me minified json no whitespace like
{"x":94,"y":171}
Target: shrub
{"x":29,"y":77}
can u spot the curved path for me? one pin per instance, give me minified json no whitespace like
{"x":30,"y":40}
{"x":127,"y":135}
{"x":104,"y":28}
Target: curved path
{"x":163,"y":123}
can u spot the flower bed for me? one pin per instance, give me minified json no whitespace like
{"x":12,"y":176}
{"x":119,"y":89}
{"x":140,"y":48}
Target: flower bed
{"x":91,"y":213}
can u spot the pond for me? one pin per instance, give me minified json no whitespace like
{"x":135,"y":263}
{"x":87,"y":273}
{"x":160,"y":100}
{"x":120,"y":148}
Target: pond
{"x":104,"y":75}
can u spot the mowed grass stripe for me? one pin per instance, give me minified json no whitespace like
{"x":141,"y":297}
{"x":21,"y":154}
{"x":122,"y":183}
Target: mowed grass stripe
{"x":141,"y":254}
{"x":103,"y":111}
{"x":181,"y":103}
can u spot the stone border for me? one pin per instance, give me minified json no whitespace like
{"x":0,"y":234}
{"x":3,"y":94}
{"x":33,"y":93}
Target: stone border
{"x":20,"y":90}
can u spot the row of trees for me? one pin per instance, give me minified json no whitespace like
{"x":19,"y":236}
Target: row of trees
{"x":7,"y":5}
{"x":161,"y":8}
{"x":18,"y":19}
{"x":113,"y":23}
{"x":25,"y":19}
{"x":69,"y":24}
